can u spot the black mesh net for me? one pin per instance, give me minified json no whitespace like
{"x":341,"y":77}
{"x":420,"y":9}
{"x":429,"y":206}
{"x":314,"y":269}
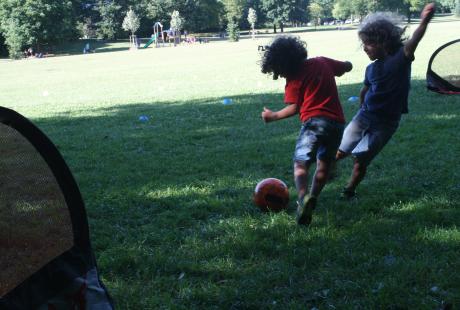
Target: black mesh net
{"x":35,"y":225}
{"x":446,"y":64}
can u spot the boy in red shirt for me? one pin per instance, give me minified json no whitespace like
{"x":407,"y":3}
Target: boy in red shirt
{"x":311,"y":92}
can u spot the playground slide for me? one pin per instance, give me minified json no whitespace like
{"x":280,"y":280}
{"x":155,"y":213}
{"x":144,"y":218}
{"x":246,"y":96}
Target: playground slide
{"x":150,"y":41}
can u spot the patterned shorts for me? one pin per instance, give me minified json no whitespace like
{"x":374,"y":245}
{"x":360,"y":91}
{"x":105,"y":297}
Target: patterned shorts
{"x":319,"y":138}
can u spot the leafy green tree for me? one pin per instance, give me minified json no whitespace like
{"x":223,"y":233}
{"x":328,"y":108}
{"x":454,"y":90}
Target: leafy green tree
{"x":86,"y":28}
{"x":35,"y":23}
{"x":15,"y":37}
{"x":233,"y":30}
{"x":234,"y":12}
{"x":278,"y":11}
{"x":177,"y":21}
{"x":252,"y":19}
{"x":86,"y":16}
{"x":327,"y":5}
{"x":131,"y":23}
{"x":393,"y":6}
{"x":342,"y":9}
{"x":110,"y":19}
{"x":160,"y":10}
{"x":416,"y":5}
{"x":446,"y":5}
{"x":257,"y":6}
{"x":299,"y":13}
{"x":316,"y":12}
{"x":405,"y":7}
{"x":199,"y":15}
{"x":361,"y":8}
{"x":368,"y":6}
{"x":202,"y":15}
{"x":234,"y":8}
{"x":176,"y":25}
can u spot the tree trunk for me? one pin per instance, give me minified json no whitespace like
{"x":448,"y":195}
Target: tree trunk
{"x":281,"y":27}
{"x":274,"y":28}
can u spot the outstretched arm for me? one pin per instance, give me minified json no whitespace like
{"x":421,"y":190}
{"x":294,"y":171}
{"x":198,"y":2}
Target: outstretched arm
{"x":411,"y":44}
{"x":288,"y":111}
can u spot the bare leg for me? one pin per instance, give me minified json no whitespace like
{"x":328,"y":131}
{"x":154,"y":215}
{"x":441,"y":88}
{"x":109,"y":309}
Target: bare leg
{"x":306,"y":203}
{"x":333,"y":166}
{"x":359,"y":171}
{"x":301,"y":178}
{"x":320,"y":178}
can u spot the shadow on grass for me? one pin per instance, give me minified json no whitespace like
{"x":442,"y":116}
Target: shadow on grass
{"x":97,"y":46}
{"x":169,"y":199}
{"x":204,"y":143}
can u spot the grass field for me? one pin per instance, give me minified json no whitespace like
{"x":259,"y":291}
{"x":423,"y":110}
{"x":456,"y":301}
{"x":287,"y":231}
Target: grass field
{"x":170,"y":200}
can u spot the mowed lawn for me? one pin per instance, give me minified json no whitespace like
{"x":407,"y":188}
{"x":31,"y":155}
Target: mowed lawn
{"x":170,"y":200}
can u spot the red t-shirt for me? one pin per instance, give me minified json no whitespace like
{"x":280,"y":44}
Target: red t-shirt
{"x":320,"y":97}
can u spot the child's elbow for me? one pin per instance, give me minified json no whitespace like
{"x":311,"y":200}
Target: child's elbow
{"x":348,"y":66}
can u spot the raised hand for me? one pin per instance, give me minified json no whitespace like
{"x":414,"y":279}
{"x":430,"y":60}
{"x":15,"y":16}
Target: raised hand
{"x":411,"y":44}
{"x":428,"y":12}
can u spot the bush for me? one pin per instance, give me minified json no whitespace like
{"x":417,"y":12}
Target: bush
{"x":14,"y":39}
{"x":35,"y":23}
{"x":233,"y":31}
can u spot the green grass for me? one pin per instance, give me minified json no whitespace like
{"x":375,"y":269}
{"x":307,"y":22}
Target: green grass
{"x":170,"y":200}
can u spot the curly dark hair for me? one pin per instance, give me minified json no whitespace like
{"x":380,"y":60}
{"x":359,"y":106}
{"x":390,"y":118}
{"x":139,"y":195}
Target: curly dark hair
{"x":380,"y":29}
{"x":284,"y":56}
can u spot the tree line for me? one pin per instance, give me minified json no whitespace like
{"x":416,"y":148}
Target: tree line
{"x":42,"y":23}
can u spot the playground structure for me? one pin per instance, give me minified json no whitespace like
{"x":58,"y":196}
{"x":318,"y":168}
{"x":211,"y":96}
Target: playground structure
{"x":157,"y":37}
{"x":160,"y":36}
{"x":174,"y":35}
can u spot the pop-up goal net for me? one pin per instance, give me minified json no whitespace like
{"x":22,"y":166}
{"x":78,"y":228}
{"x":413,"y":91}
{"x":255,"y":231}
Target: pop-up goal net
{"x":443,"y":74}
{"x":46,"y":260}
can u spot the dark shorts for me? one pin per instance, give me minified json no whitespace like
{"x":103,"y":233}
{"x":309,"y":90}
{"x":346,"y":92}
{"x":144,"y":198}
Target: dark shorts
{"x":366,"y":135}
{"x":319,"y":138}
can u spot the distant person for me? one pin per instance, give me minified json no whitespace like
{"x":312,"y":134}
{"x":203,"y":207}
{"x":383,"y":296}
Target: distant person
{"x":86,"y":49}
{"x":311,"y":92}
{"x":385,"y":92}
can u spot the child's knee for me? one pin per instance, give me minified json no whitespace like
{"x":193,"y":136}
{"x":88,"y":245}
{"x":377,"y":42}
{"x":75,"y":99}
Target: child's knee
{"x":300,"y":166}
{"x":360,"y":165}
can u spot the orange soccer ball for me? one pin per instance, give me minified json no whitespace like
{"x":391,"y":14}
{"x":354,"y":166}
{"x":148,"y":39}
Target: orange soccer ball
{"x":271,"y":195}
